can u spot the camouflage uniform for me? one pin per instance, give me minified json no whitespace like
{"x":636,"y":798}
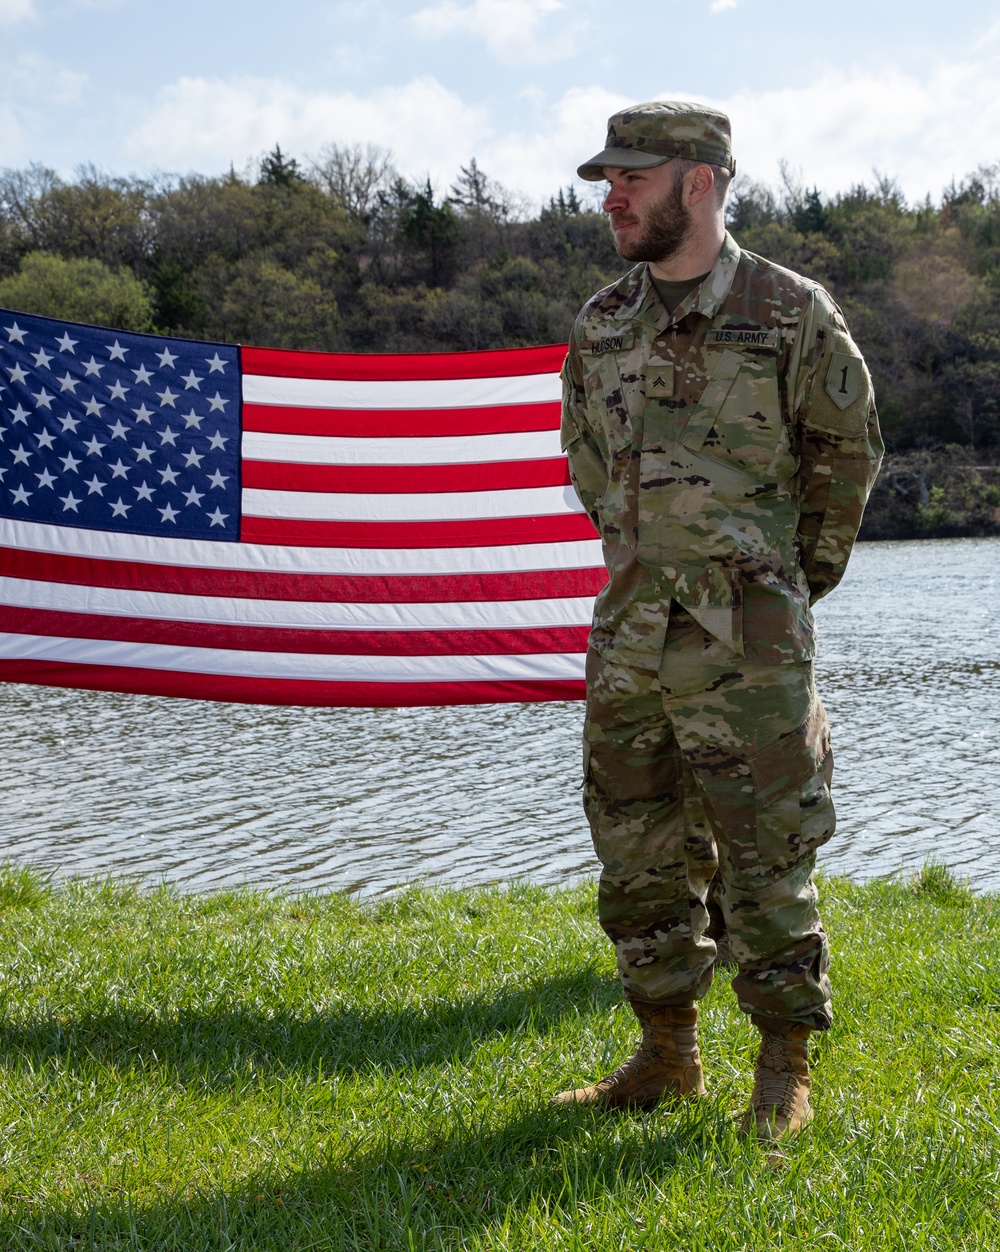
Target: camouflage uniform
{"x":725,"y":453}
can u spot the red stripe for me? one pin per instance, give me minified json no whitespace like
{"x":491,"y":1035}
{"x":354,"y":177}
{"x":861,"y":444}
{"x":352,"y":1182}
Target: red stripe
{"x":491,"y":532}
{"x":315,"y":588}
{"x":283,"y":691}
{"x":403,"y":367}
{"x":401,"y":424}
{"x":479,"y":476}
{"x":279,"y":639}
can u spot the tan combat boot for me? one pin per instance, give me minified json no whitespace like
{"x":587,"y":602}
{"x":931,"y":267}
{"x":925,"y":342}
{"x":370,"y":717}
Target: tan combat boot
{"x":779,"y":1105}
{"x":666,"y":1063}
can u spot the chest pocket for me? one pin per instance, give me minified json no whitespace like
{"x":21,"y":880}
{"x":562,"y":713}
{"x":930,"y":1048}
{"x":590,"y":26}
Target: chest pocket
{"x":737,"y":419}
{"x":613,"y":394}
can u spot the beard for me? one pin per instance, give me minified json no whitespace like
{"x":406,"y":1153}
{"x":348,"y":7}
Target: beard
{"x":663,"y":229}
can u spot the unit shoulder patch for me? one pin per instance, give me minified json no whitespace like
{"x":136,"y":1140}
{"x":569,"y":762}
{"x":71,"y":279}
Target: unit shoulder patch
{"x":843,"y":379}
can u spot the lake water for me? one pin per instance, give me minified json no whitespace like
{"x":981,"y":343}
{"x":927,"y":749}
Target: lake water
{"x":212,"y":795}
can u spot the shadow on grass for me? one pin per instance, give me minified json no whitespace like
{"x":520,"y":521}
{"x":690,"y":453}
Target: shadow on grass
{"x":213,"y":1043}
{"x":389,"y":1191}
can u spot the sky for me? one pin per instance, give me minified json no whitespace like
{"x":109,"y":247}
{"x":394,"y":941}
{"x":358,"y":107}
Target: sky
{"x":836,"y":93}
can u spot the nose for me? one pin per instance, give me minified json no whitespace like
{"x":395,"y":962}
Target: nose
{"x":615,"y":199}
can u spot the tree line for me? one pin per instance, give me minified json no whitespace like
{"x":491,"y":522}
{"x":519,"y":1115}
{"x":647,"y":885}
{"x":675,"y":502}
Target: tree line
{"x":340,"y":252}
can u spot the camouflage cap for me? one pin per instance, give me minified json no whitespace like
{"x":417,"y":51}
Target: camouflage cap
{"x":645,"y":135}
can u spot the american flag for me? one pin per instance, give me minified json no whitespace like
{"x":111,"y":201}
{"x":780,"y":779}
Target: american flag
{"x":232,"y":523}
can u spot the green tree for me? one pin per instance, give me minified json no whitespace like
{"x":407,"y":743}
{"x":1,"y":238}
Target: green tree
{"x":81,"y":290}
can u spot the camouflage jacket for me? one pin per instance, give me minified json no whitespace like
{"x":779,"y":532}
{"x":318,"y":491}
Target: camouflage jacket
{"x":724,"y":453}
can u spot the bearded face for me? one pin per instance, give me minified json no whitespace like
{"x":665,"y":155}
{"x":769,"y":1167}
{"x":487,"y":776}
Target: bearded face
{"x":661,"y":227}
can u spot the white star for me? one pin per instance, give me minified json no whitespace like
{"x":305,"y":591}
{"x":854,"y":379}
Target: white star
{"x":119,"y":508}
{"x":168,"y":436}
{"x":192,"y":380}
{"x":66,"y":344}
{"x":45,"y":479}
{"x":168,"y":514}
{"x":45,"y":439}
{"x":116,"y":350}
{"x":167,"y":397}
{"x":192,"y":419}
{"x":70,"y":423}
{"x":167,"y":358}
{"x":142,"y":453}
{"x":93,"y":447}
{"x":17,"y":375}
{"x":117,"y":392}
{"x":43,"y":399}
{"x":42,"y":359}
{"x":20,"y":414}
{"x":193,"y":497}
{"x":69,"y":462}
{"x":119,"y":470}
{"x":216,"y":363}
{"x":218,"y":441}
{"x":142,"y":375}
{"x":218,"y":480}
{"x":167,"y":475}
{"x":14,"y":332}
{"x":218,"y":518}
{"x":93,"y":407}
{"x":143,"y":491}
{"x":193,"y":458}
{"x":21,"y":455}
{"x":20,"y":495}
{"x":142,"y":414}
{"x":93,"y":367}
{"x":217,"y":402}
{"x":66,"y":383}
{"x":70,"y":502}
{"x":3,"y":473}
{"x":95,"y":484}
{"x":118,"y":430}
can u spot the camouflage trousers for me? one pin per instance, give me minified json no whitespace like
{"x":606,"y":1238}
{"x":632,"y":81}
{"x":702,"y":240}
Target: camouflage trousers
{"x":709,"y":777}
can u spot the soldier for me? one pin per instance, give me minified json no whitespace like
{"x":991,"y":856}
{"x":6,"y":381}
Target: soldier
{"x":721,"y":432}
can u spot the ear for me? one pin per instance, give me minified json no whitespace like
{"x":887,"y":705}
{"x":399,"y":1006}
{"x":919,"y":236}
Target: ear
{"x":700,"y":184}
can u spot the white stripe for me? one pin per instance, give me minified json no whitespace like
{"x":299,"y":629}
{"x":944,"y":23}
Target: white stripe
{"x":429,"y":393}
{"x":441,"y":506}
{"x":278,"y":559}
{"x":316,"y":667}
{"x":296,"y":614}
{"x":528,"y":445}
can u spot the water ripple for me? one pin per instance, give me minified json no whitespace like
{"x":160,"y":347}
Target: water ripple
{"x":213,"y":795}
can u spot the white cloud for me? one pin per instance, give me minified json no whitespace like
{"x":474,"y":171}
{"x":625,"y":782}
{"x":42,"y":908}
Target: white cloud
{"x":14,"y":11}
{"x":720,"y":6}
{"x":205,"y":124}
{"x":31,"y":85}
{"x":838,"y":128}
{"x":511,"y":29}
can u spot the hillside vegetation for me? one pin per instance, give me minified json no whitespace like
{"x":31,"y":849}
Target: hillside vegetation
{"x":339,"y":252}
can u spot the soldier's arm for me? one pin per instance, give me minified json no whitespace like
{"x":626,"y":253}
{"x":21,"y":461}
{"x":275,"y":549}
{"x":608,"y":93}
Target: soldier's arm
{"x":586,"y":464}
{"x":840,"y":446}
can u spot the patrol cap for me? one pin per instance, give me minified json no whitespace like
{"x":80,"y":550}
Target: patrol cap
{"x":645,"y":135}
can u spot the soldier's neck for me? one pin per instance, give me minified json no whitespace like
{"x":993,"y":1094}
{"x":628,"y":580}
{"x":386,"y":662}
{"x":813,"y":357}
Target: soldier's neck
{"x":697,"y":255}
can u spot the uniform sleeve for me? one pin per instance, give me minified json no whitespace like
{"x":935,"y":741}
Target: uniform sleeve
{"x":840,"y":445}
{"x":586,"y":464}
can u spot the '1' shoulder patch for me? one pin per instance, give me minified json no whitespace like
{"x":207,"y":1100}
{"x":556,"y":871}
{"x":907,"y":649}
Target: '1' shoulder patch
{"x":843,"y":379}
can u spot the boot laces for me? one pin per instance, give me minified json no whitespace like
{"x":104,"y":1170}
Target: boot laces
{"x":777,"y":1082}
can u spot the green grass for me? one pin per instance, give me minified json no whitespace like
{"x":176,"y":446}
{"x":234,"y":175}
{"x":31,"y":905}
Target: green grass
{"x":240,"y":1071}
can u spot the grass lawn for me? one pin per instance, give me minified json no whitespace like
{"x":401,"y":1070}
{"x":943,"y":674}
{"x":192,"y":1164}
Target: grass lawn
{"x":239,"y":1071}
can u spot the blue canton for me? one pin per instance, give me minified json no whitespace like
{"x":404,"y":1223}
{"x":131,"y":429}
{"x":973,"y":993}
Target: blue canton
{"x":119,"y":432}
